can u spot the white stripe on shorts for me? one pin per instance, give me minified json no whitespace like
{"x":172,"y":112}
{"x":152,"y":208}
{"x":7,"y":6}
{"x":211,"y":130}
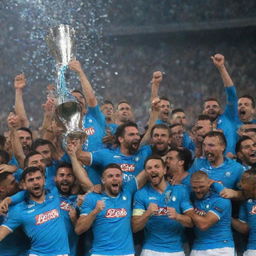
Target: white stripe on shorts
{"x":146,"y":252}
{"x":227,"y":251}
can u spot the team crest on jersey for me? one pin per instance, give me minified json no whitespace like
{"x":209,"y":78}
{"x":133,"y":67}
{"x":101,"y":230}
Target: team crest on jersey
{"x":65,"y":206}
{"x":89,"y":131}
{"x":127,"y":167}
{"x":47,"y":216}
{"x":116,"y":213}
{"x":228,"y":174}
{"x":200,"y":212}
{"x":253,"y":211}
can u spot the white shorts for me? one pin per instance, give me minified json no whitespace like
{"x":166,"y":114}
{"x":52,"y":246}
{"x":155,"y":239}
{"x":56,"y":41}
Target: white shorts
{"x":227,"y":251}
{"x":249,"y":253}
{"x":146,"y":252}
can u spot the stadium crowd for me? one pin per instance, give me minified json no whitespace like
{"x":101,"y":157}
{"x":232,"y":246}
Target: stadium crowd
{"x":189,"y":188}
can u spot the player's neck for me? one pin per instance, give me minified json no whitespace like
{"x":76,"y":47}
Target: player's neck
{"x":218,"y":161}
{"x":40,"y":199}
{"x":161,"y":186}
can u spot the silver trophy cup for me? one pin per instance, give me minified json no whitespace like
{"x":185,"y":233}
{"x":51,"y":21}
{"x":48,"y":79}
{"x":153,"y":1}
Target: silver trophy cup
{"x":61,"y":42}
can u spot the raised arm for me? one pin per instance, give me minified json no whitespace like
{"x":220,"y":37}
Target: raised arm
{"x":155,"y":83}
{"x":19,"y":85}
{"x":86,"y":86}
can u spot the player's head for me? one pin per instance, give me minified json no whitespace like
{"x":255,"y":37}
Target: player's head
{"x":246,"y":108}
{"x":124,"y":112}
{"x":35,"y":159}
{"x":112,"y":179}
{"x":65,"y":178}
{"x":165,"y":108}
{"x":80,"y":98}
{"x":248,"y":184}
{"x":179,"y":117}
{"x":25,"y":137}
{"x":128,"y":137}
{"x":8,"y":185}
{"x":200,"y":184}
{"x":155,"y":169}
{"x":246,"y":150}
{"x":160,"y":138}
{"x":212,"y":108}
{"x":176,"y":132}
{"x":33,"y":181}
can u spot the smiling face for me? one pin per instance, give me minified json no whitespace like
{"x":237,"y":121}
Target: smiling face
{"x":200,"y":187}
{"x":155,"y":171}
{"x":212,"y":109}
{"x":160,"y":139}
{"x":25,"y":140}
{"x":165,"y":109}
{"x":112,"y":181}
{"x":65,"y":180}
{"x":247,"y":152}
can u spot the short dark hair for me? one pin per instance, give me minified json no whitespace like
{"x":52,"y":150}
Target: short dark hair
{"x":4,"y":175}
{"x":108,"y":102}
{"x":249,"y":176}
{"x":212,"y":99}
{"x":159,"y":126}
{"x":184,"y":154}
{"x":240,"y":141}
{"x":218,"y":134}
{"x":121,"y":129}
{"x":165,"y":98}
{"x":174,"y":125}
{"x":154,"y":157}
{"x":42,"y":142}
{"x":26,"y":130}
{"x":204,"y":117}
{"x":248,"y":97}
{"x":28,"y":170}
{"x":177,"y":110}
{"x":31,"y":153}
{"x":4,"y":154}
{"x":78,"y":91}
{"x":123,"y":101}
{"x":2,"y":140}
{"x":112,"y":165}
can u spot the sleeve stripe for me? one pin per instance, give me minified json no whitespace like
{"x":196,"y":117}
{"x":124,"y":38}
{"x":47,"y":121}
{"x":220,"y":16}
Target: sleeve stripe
{"x":215,"y":214}
{"x":91,"y":159}
{"x":83,"y":214}
{"x":137,"y":212}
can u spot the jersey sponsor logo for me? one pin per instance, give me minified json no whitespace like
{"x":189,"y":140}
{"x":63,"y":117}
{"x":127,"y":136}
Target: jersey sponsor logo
{"x":65,"y":206}
{"x":200,"y":212}
{"x":89,"y":131}
{"x":127,"y":167}
{"x":46,"y":216}
{"x":253,"y":211}
{"x":116,"y":213}
{"x":162,"y":211}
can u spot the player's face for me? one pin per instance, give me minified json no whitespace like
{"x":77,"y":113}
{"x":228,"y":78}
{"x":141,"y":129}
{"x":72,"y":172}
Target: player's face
{"x":155,"y":171}
{"x":46,"y":152}
{"x":37,"y":161}
{"x":177,"y":135}
{"x":107,"y":110}
{"x":131,"y":139}
{"x":200,"y":187}
{"x":247,"y":152}
{"x":202,"y":128}
{"x":124,"y":112}
{"x":25,"y":140}
{"x":34,"y":183}
{"x":245,"y":109}
{"x":213,"y":149}
{"x":164,"y":110}
{"x":212,"y":109}
{"x":179,"y":118}
{"x":112,"y":181}
{"x":248,"y":190}
{"x":9,"y":186}
{"x":173,"y":162}
{"x":64,"y":180}
{"x":160,"y":139}
{"x":81,"y":100}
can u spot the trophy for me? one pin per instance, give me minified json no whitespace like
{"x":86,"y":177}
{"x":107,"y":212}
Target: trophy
{"x":61,"y":42}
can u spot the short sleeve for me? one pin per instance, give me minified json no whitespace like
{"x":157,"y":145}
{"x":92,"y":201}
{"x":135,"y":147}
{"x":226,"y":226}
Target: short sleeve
{"x":88,"y":204}
{"x":138,"y":205}
{"x":13,"y":219}
{"x":220,"y":206}
{"x":98,"y":115}
{"x":243,"y":215}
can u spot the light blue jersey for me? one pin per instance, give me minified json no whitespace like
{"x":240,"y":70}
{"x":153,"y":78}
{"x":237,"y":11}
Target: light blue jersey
{"x":94,"y":125}
{"x":112,"y":226}
{"x":131,"y":166}
{"x":219,"y":235}
{"x":228,"y":173}
{"x":42,"y":223}
{"x":161,"y":233}
{"x":248,"y":214}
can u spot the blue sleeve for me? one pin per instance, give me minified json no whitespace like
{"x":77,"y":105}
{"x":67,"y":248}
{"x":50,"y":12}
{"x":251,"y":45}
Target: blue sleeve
{"x":217,"y":187}
{"x":220,"y":207}
{"x":88,"y":204}
{"x":131,"y":186}
{"x":98,"y":115}
{"x":14,"y":161}
{"x":98,"y":157}
{"x":243,"y":215}
{"x":13,"y":219}
{"x":65,"y":158}
{"x":185,"y":202}
{"x":138,"y":202}
{"x":231,"y":110}
{"x":18,"y":197}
